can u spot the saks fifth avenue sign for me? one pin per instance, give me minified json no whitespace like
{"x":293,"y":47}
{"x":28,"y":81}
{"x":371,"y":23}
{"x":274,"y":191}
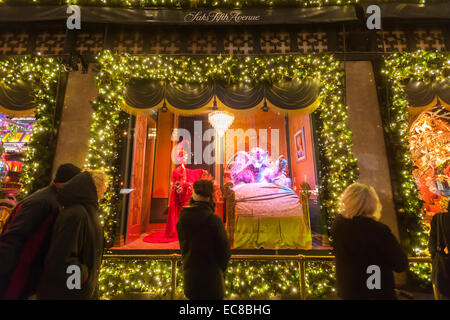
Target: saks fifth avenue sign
{"x":220,"y":17}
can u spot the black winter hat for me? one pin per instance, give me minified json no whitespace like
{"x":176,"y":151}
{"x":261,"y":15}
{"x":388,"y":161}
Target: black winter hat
{"x":66,"y":172}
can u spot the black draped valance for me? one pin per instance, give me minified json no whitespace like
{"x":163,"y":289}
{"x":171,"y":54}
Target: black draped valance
{"x":142,"y":96}
{"x":17,"y":99}
{"x":422,"y":96}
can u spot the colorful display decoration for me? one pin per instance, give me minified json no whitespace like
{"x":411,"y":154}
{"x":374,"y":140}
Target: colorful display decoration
{"x":429,"y":143}
{"x":4,"y":169}
{"x":256,"y":167}
{"x":15,"y":134}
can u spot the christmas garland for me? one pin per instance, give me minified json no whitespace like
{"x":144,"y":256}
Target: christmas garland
{"x":243,"y":280}
{"x":43,"y":72}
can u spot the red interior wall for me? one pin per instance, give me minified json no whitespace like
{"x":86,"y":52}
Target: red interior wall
{"x":137,"y":179}
{"x":148,"y":175}
{"x":307,"y":166}
{"x":162,"y":170}
{"x":260,"y":120}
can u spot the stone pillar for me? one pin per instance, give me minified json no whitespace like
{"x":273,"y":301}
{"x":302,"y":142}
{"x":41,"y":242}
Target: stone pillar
{"x":76,"y":119}
{"x":368,"y":138}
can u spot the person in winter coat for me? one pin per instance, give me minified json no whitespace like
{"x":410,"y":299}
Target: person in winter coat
{"x":204,"y":245}
{"x":77,"y":241}
{"x":433,"y":241}
{"x":25,"y":238}
{"x":366,"y":251}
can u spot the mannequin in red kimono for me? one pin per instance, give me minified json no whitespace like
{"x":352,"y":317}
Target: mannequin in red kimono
{"x":181,"y":191}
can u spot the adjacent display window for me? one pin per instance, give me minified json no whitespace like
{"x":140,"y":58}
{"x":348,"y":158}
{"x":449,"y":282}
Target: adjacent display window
{"x":15,"y":134}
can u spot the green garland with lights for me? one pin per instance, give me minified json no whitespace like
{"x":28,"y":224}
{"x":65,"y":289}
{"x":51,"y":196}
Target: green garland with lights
{"x":107,"y":136}
{"x":211,"y":4}
{"x":338,"y":166}
{"x":400,"y":68}
{"x":44,"y":73}
{"x":243,"y":279}
{"x":124,"y":277}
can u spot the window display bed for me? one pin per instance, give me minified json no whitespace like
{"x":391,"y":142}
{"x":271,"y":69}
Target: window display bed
{"x":270,"y":216}
{"x":265,"y":211}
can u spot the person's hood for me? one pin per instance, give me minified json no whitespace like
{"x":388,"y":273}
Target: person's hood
{"x":78,"y":190}
{"x":208,"y":204}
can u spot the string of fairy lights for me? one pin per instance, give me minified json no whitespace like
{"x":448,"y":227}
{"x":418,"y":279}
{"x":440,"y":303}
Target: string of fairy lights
{"x":225,"y":4}
{"x":43,"y":73}
{"x":243,"y":279}
{"x":338,"y":166}
{"x":400,"y":68}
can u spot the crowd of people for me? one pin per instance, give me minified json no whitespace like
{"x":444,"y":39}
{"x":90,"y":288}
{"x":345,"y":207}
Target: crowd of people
{"x":51,"y":245}
{"x":52,"y":230}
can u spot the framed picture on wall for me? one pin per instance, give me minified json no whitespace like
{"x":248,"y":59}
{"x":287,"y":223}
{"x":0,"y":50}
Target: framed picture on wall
{"x":300,"y":145}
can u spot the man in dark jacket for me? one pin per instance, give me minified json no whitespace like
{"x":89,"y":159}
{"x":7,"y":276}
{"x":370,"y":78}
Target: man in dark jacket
{"x":434,"y":243}
{"x":433,"y":240}
{"x":204,"y":245}
{"x":76,"y":243}
{"x":25,"y":238}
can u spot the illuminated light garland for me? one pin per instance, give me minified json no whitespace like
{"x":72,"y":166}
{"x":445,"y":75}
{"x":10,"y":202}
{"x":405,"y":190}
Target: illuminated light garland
{"x":243,"y":280}
{"x":212,"y":4}
{"x":36,"y":172}
{"x":398,"y":69}
{"x":134,"y":276}
{"x":338,"y":166}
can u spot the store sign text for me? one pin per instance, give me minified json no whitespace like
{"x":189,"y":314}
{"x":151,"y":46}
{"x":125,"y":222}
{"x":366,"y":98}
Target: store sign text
{"x":219,"y":17}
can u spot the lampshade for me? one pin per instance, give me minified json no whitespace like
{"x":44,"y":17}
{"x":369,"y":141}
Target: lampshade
{"x":221,"y":121}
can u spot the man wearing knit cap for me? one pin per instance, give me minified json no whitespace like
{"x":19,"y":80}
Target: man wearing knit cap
{"x":25,"y":239}
{"x":204,"y":245}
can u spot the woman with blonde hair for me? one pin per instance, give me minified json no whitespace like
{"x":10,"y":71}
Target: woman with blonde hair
{"x":367,"y":253}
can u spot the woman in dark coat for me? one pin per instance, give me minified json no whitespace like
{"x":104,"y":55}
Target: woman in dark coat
{"x":360,"y":242}
{"x":433,"y":241}
{"x":204,"y":245}
{"x":77,"y":240}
